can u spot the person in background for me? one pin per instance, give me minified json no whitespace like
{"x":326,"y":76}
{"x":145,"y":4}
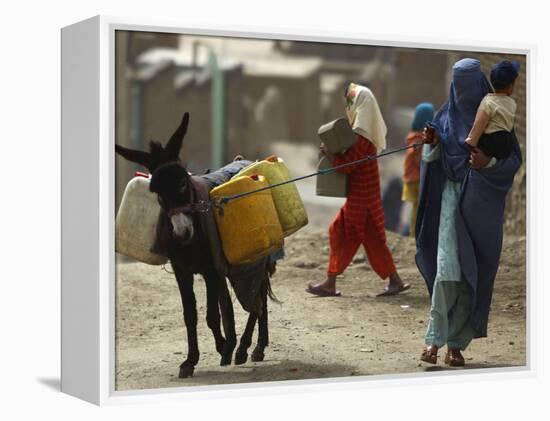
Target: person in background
{"x":392,"y":204}
{"x":424,"y":112}
{"x":460,"y":219}
{"x":361,"y":220}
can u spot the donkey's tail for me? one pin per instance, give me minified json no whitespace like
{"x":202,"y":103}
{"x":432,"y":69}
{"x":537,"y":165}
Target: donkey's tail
{"x":271,"y":269}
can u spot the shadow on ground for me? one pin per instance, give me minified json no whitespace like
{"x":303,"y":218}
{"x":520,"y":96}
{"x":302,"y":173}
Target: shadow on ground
{"x":51,"y":382}
{"x":277,"y":370}
{"x":473,"y":366}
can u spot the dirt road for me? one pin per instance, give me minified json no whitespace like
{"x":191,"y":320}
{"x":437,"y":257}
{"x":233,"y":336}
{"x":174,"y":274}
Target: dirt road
{"x":353,"y":335}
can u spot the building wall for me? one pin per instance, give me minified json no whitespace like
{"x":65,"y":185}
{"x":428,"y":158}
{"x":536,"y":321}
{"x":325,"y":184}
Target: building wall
{"x":420,"y":76}
{"x":302,"y":103}
{"x":164,"y":104}
{"x":163,"y":107}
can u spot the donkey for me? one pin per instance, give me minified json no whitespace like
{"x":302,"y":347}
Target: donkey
{"x":188,"y":236}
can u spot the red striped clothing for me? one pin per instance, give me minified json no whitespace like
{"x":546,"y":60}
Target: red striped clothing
{"x":361,"y":219}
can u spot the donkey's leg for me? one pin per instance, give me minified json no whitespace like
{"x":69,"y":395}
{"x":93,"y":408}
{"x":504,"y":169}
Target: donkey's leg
{"x":228,"y":321}
{"x":185,"y":284}
{"x":213,"y":311}
{"x":263,"y":331}
{"x":246,"y":339}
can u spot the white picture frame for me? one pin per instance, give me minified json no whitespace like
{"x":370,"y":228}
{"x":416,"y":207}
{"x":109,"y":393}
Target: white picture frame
{"x":88,"y":259}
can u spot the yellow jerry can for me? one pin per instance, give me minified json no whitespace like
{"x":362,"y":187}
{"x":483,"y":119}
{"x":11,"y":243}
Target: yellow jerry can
{"x":290,"y":208}
{"x":136,"y":222}
{"x":249,"y":227}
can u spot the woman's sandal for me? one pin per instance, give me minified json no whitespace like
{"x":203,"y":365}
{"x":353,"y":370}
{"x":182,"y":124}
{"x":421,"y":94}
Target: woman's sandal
{"x":429,"y":355}
{"x":454,"y":358}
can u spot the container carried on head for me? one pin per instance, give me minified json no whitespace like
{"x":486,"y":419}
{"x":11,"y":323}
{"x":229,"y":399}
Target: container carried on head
{"x":337,"y":136}
{"x":288,"y":203}
{"x":136,"y":222}
{"x":249,"y":227}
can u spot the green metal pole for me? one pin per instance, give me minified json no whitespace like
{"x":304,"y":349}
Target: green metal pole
{"x":218,"y":111}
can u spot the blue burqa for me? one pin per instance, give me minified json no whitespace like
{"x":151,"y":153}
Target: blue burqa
{"x":480,"y":211}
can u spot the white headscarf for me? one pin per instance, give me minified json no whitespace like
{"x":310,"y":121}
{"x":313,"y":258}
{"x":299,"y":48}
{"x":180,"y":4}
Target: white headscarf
{"x":364,"y":115}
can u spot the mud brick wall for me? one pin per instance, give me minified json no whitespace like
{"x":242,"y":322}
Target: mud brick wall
{"x":163,"y":105}
{"x":302,"y":102}
{"x":420,"y":75}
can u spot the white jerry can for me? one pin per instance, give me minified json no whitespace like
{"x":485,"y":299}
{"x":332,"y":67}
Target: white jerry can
{"x":136,"y":222}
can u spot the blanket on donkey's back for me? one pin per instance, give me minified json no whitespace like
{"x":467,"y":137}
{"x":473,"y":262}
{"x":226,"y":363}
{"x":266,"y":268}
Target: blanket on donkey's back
{"x":246,"y":280}
{"x":224,"y":174}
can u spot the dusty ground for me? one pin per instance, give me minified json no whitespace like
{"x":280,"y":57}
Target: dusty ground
{"x":353,"y":335}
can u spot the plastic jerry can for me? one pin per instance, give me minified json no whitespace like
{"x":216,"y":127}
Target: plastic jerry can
{"x":249,"y":227}
{"x":288,"y":203}
{"x":337,"y":135}
{"x":136,"y":222}
{"x":333,"y":183}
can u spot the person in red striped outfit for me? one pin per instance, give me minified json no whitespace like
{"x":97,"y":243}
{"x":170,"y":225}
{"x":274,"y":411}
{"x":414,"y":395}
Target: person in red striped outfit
{"x":361,"y":220}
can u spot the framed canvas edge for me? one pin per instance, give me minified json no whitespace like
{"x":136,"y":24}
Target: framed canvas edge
{"x":108,"y":394}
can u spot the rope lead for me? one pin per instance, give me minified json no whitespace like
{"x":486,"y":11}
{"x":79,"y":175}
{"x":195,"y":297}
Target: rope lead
{"x":220,"y":202}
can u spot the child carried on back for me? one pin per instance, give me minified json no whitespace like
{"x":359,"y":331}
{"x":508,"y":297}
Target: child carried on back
{"x":491,"y":131}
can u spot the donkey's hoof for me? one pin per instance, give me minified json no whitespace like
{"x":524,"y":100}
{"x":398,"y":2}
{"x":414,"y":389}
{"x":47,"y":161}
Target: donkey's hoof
{"x":240,"y":358}
{"x":186,"y":370}
{"x":227,"y":352}
{"x":257,"y":356}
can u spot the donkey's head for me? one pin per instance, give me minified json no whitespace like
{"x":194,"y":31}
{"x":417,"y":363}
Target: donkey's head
{"x":169,"y":179}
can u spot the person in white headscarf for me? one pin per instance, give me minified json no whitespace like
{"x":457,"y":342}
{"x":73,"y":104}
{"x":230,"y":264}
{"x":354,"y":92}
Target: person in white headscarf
{"x":365,"y":116}
{"x":361,"y":220}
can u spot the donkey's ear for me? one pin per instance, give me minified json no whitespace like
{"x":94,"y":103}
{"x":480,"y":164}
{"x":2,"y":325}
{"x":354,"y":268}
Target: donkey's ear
{"x":172,"y":149}
{"x":139,"y":157}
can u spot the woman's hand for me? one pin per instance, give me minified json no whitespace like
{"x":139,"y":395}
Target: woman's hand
{"x":429,"y":136}
{"x":478,"y":159}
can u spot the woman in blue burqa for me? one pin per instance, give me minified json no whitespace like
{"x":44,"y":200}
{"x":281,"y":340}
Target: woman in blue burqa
{"x":460,"y":219}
